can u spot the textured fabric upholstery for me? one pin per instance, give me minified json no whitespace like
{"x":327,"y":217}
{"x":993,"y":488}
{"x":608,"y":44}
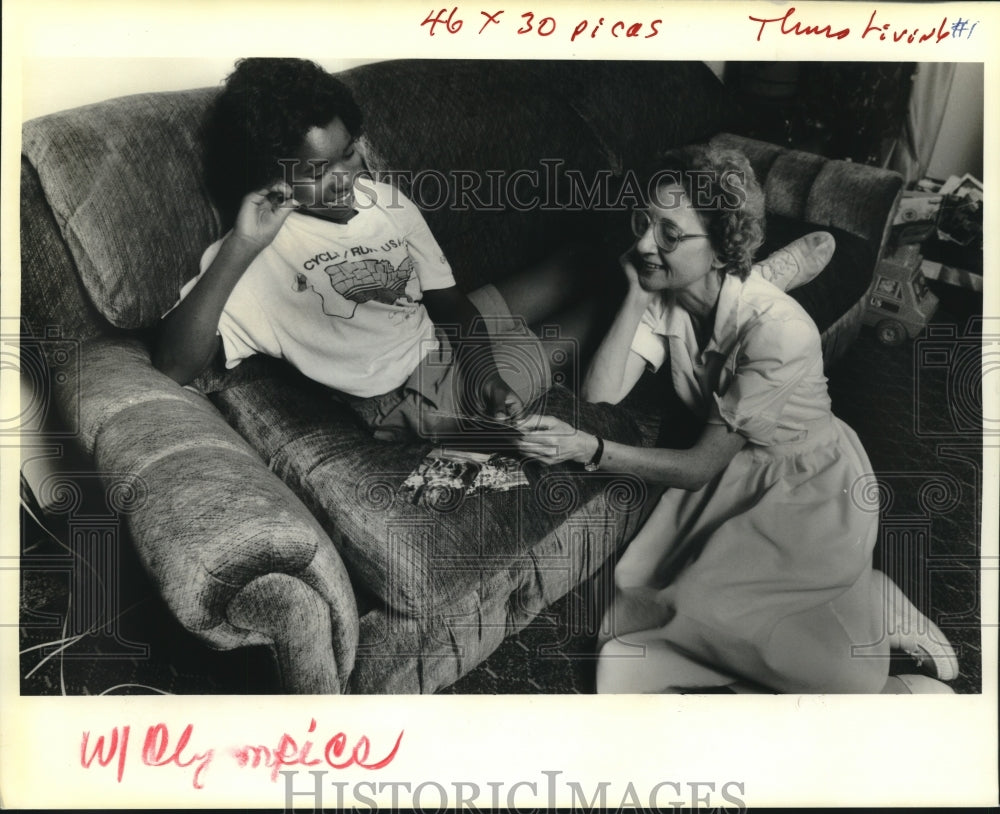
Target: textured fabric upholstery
{"x":805,"y":192}
{"x":406,"y":654}
{"x":416,"y":559}
{"x":54,"y":299}
{"x":633,"y":111}
{"x":206,"y":517}
{"x":124,"y":180}
{"x":808,"y":187}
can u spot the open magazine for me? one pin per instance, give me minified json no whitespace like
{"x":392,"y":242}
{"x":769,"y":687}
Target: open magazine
{"x":445,"y":476}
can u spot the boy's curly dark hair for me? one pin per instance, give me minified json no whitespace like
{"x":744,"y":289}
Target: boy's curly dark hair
{"x":262,"y":115}
{"x":722,"y":188}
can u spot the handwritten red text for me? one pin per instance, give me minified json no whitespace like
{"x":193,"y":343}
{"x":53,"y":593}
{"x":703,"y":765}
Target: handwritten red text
{"x":156,"y":751}
{"x":797,"y":28}
{"x":159,"y":749}
{"x":532,"y":24}
{"x":880,"y":30}
{"x":288,"y":752}
{"x":911,"y":35}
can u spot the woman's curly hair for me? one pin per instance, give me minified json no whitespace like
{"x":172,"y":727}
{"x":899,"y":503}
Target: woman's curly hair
{"x":262,"y":115}
{"x":722,"y":188}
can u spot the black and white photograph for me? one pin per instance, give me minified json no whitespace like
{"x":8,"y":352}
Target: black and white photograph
{"x":674,"y":408}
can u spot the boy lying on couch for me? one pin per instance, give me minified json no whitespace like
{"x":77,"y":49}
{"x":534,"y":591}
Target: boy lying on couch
{"x":336,"y":273}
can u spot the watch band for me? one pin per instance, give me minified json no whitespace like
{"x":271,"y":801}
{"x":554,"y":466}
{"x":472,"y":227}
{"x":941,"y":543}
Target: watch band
{"x":594,"y":463}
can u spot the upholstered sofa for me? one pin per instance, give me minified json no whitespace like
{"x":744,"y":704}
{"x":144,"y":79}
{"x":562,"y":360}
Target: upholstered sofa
{"x":267,"y":515}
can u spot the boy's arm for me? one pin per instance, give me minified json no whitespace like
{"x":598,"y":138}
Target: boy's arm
{"x":188,"y":335}
{"x":449,"y":306}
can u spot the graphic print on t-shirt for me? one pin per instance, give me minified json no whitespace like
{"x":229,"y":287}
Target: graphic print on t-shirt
{"x":360,"y":281}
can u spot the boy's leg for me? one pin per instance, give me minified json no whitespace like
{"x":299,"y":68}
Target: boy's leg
{"x":521,"y":358}
{"x":560,"y":291}
{"x":557,"y":283}
{"x":380,"y":414}
{"x":570,"y":295}
{"x":429,"y":404}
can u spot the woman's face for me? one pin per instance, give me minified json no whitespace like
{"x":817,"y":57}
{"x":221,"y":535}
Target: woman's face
{"x":692,"y":258}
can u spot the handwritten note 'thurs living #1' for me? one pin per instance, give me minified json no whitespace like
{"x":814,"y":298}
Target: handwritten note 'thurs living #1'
{"x":158,"y":749}
{"x":877,"y":28}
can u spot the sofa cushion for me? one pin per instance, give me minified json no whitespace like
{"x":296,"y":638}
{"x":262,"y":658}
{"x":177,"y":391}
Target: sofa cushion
{"x":125,"y":179}
{"x":528,"y":135}
{"x":846,"y":278}
{"x":417,"y":559}
{"x":52,"y":295}
{"x":125,"y":183}
{"x":483,"y":139}
{"x":819,"y":190}
{"x":630,"y":107}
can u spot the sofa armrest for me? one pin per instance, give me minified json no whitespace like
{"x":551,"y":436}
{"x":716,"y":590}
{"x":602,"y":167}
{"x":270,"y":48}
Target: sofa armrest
{"x":857,"y":198}
{"x":236,"y":556}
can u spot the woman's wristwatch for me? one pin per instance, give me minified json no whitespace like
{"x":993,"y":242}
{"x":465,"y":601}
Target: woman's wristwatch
{"x":595,"y":462}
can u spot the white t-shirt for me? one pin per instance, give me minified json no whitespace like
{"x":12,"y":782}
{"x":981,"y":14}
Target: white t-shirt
{"x":341,"y":302}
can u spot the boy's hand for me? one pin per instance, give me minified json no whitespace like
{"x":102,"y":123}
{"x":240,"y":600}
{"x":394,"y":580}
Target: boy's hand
{"x":262,"y":214}
{"x":502,"y":403}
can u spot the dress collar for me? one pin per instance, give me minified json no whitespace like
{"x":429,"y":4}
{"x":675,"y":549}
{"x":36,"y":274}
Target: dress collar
{"x":727,"y":316}
{"x":677,"y":322}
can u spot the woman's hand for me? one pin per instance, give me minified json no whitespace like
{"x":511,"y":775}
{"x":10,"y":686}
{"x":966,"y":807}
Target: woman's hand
{"x":262,"y":214}
{"x":635,"y":289}
{"x":552,"y":441}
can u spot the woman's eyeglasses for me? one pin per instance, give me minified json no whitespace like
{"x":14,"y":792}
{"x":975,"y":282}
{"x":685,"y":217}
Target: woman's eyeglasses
{"x":664,"y":232}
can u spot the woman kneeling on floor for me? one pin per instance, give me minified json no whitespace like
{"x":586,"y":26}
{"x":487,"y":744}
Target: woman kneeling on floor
{"x":755,"y":569}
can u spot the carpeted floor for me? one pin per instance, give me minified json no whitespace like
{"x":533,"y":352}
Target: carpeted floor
{"x":917,"y":408}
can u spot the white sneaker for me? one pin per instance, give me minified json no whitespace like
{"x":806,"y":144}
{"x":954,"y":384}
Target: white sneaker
{"x":916,"y":635}
{"x":925,"y":685}
{"x":930,"y":646}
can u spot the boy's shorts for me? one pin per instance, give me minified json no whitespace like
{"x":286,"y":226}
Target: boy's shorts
{"x":429,"y":403}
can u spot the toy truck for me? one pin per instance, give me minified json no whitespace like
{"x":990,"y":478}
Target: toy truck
{"x":899,"y":302}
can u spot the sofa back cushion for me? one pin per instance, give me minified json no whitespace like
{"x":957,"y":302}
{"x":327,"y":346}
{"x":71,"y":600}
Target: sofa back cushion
{"x":520,"y":136}
{"x":124,"y":181}
{"x":126,"y":185}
